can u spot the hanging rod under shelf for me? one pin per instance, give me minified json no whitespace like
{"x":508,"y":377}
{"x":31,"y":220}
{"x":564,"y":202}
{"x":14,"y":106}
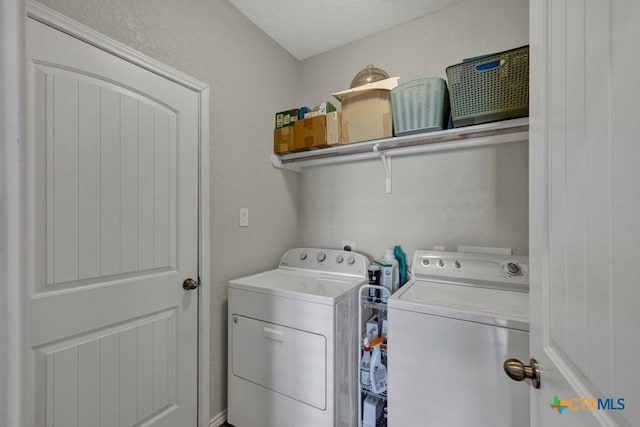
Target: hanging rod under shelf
{"x":451,"y":139}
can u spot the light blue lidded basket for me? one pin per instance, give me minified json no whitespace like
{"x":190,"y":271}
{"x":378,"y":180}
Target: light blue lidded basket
{"x":420,"y":105}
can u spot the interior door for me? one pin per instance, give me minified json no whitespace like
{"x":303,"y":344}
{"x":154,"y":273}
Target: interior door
{"x":585,"y":204}
{"x":112,"y":233}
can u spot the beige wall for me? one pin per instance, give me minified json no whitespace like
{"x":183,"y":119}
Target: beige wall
{"x":475,"y":196}
{"x":250,"y":77}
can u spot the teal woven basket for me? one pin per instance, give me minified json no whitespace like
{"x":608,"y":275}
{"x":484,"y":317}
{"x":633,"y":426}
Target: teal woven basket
{"x":420,"y":105}
{"x":490,"y":88}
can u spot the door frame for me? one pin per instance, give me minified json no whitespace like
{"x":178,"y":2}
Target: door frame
{"x":81,"y":32}
{"x":13,"y":396}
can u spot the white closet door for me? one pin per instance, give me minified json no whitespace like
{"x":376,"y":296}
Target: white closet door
{"x":585,"y":205}
{"x":112,"y":234}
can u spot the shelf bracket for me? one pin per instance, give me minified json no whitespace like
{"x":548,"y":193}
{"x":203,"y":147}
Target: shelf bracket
{"x":276,"y":163}
{"x":386,"y":163}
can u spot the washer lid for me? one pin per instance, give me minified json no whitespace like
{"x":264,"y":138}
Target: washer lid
{"x":490,"y":306}
{"x":308,"y":286}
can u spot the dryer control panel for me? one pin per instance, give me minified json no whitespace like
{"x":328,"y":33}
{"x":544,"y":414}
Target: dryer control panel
{"x":332,"y":261}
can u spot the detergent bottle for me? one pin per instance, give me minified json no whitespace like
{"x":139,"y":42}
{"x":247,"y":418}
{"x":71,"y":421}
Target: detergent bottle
{"x":402,"y":264}
{"x":389,"y":276}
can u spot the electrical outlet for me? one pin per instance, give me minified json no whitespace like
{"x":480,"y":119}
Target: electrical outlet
{"x":244,"y":217}
{"x":349,"y":243}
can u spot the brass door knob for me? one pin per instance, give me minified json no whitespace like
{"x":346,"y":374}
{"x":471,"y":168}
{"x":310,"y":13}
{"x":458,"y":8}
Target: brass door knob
{"x":518,"y":371}
{"x":189,"y":284}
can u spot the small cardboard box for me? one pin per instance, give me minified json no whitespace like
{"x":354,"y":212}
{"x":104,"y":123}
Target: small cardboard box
{"x":366,"y":111}
{"x":334,"y":128}
{"x":310,"y":133}
{"x":372,"y":411}
{"x":286,"y":118}
{"x":283,"y":140}
{"x":322,"y":109}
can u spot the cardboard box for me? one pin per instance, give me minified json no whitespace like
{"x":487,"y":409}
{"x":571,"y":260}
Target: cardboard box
{"x":310,"y":133}
{"x":287,"y":118}
{"x":283,"y":140}
{"x":366,"y":111}
{"x":372,"y":411}
{"x":334,"y":128}
{"x":322,"y":109}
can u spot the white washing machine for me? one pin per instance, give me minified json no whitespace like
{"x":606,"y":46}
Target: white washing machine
{"x":293,"y":341}
{"x":450,"y":330}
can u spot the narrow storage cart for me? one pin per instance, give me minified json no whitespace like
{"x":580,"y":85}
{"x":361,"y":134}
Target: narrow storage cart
{"x":372,"y":356}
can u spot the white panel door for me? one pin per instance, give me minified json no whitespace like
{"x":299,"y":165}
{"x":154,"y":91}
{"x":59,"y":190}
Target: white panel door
{"x":585,"y":211}
{"x":112,"y":234}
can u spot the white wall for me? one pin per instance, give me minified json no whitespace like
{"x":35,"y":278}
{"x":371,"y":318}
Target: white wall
{"x":474,"y":197}
{"x":251,"y":78}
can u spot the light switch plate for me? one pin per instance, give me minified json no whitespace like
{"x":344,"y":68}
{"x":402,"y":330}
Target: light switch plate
{"x":244,"y":217}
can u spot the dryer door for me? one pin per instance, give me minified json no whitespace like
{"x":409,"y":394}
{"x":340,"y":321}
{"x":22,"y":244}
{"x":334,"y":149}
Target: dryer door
{"x":288,"y":361}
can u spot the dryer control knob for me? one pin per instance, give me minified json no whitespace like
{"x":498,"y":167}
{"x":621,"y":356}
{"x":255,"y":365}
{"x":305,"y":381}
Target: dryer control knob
{"x":321,"y":256}
{"x":351,"y":260}
{"x":513,"y":269}
{"x":441,"y":263}
{"x":339,"y":259}
{"x":303,"y":256}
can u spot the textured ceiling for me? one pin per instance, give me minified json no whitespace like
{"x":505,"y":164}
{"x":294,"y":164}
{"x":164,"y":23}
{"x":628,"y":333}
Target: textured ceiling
{"x":308,"y":27}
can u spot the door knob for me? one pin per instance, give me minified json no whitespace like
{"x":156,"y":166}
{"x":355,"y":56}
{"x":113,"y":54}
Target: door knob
{"x":189,"y":284}
{"x":518,"y":371}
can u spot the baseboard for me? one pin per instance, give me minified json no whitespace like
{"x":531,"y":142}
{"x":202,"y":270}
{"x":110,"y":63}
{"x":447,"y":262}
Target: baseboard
{"x":219,"y":419}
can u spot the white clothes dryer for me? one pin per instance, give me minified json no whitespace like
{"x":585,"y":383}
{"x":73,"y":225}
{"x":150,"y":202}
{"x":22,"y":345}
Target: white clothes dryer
{"x":293,"y":341}
{"x":450,"y":330}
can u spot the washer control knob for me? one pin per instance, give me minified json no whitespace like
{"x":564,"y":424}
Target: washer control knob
{"x":303,"y":256}
{"x":339,"y":259}
{"x":457,"y":265}
{"x":513,"y":269}
{"x":441,"y":263}
{"x":426,"y":262}
{"x":321,"y":256}
{"x":351,"y":260}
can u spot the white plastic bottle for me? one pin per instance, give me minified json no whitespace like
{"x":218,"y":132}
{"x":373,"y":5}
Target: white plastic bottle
{"x":389,"y":276}
{"x":365,"y":365}
{"x":377,"y":370}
